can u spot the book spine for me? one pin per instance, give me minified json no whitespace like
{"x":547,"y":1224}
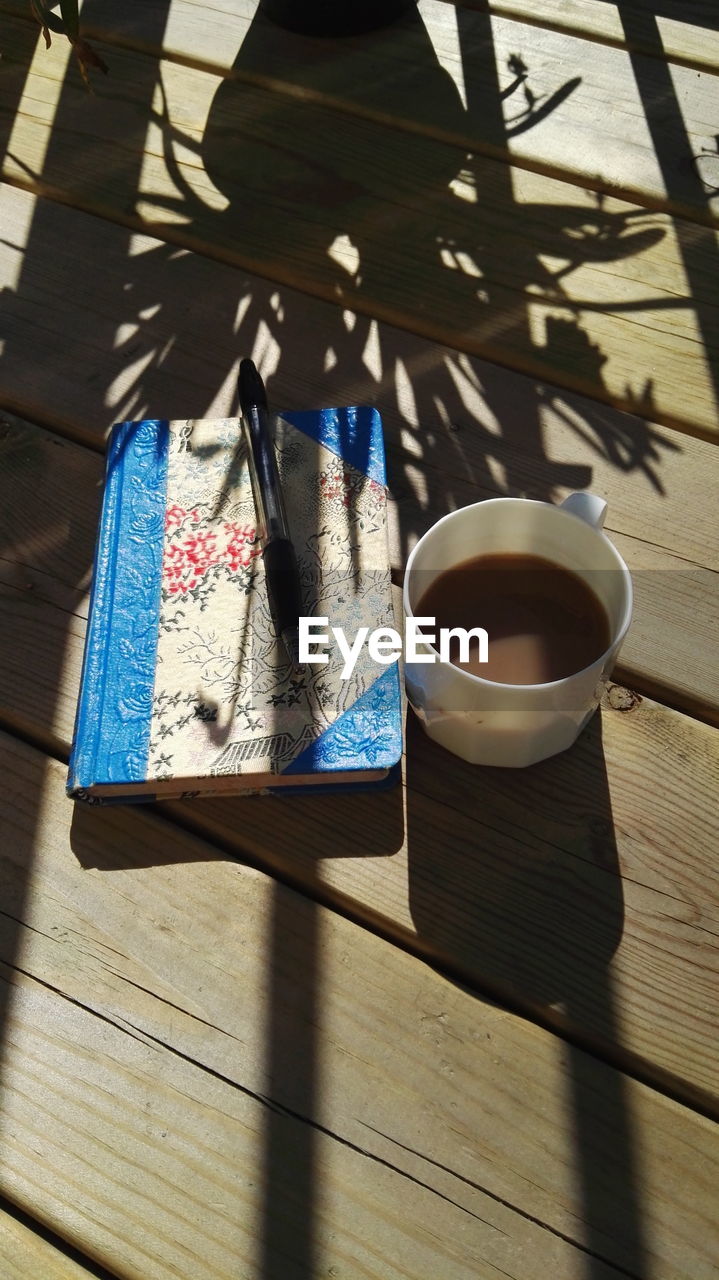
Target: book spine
{"x":88,"y":716}
{"x":112,"y":726}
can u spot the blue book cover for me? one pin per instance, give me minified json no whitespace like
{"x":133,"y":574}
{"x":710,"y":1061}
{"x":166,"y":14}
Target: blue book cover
{"x":185,"y":688}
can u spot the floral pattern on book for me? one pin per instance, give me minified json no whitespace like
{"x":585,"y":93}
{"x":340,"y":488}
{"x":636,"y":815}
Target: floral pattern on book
{"x":343,"y":486}
{"x":226,"y":698}
{"x":194,"y":554}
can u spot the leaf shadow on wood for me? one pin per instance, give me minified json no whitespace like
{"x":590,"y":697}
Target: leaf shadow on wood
{"x":307,"y":186}
{"x":515,"y":889}
{"x":376,"y":218}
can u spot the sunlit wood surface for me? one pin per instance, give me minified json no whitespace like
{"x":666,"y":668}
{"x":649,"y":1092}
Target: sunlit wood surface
{"x":465,"y":1028}
{"x":335,"y":174}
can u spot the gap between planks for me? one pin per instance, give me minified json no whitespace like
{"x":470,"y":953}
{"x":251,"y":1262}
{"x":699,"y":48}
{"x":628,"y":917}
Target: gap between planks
{"x":29,"y":1250}
{"x":364,"y":898}
{"x":215,"y":822}
{"x":593,"y":341}
{"x":554,"y":163}
{"x":685,"y":43}
{"x":142,"y":931}
{"x":660,"y":653}
{"x":681,"y":42}
{"x":651,"y":819}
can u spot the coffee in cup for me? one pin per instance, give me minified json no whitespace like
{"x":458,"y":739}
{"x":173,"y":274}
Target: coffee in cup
{"x":544,"y":622}
{"x":554,"y":597}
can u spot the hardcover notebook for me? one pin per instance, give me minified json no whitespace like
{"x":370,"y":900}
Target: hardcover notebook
{"x":185,"y":689}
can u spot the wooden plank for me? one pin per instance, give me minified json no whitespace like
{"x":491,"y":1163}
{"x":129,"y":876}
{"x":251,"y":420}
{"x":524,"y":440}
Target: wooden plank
{"x":128,"y":343}
{"x":625,"y":869}
{"x":538,"y":96}
{"x":457,"y":429}
{"x":208,"y":1074}
{"x":27,"y":1255}
{"x":625,"y":821}
{"x":594,"y":294}
{"x":687,"y":27}
{"x":45,"y":573}
{"x":687,"y":31}
{"x":158,"y":332}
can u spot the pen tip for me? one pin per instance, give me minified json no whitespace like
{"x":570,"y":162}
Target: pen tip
{"x":251,"y":386}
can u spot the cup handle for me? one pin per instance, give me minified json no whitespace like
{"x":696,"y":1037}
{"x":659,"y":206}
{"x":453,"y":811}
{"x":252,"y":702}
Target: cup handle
{"x":588,"y":506}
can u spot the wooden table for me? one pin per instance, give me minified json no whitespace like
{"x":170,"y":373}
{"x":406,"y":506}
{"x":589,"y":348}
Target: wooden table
{"x":466,"y":1028}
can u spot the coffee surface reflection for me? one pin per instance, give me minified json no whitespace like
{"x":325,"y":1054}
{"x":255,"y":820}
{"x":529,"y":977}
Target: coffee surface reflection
{"x":543,"y":622}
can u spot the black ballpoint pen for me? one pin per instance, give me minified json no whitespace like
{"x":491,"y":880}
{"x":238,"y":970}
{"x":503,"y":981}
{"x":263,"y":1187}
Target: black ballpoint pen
{"x":281,"y":571}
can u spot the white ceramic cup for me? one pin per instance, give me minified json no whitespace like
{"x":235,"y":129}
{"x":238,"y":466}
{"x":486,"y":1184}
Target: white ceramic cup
{"x":503,"y":724}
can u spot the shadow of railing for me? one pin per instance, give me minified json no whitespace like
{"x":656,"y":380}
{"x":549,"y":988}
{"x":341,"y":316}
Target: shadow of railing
{"x":532,"y":914}
{"x":673,"y":149}
{"x":27,"y":476}
{"x":702,"y":14}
